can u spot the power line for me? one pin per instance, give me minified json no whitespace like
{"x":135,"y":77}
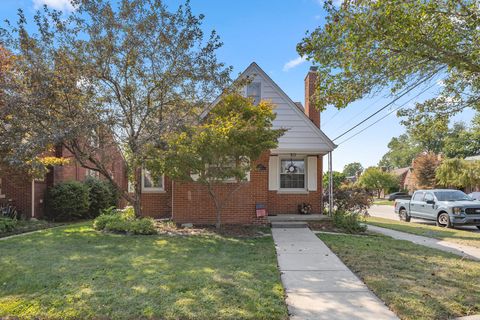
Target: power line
{"x":377,"y":121}
{"x":330,"y":119}
{"x":387,"y":105}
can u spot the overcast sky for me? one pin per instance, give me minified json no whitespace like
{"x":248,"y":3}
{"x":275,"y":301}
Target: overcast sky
{"x":267,"y":32}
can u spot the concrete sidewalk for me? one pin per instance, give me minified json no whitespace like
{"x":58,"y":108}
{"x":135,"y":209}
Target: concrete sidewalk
{"x":317,"y":283}
{"x":447,"y":246}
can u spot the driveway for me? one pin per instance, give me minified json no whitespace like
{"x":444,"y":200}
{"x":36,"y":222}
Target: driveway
{"x":387,"y":212}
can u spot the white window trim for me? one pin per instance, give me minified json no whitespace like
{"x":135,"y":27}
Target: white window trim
{"x":303,"y":190}
{"x":152,"y":189}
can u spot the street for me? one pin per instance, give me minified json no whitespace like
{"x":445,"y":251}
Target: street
{"x":387,"y":212}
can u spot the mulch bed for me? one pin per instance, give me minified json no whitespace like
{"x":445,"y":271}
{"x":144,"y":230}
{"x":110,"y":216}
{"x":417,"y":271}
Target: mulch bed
{"x":325,"y":225}
{"x":237,"y":231}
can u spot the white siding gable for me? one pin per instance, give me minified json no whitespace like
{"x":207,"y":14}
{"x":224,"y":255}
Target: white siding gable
{"x":302,"y":135}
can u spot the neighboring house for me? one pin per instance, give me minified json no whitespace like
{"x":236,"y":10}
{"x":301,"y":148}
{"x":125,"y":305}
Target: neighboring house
{"x":406,"y":178}
{"x":270,"y":183}
{"x":28,"y":195}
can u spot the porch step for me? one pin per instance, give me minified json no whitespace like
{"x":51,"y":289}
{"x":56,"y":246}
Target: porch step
{"x":289,"y":224}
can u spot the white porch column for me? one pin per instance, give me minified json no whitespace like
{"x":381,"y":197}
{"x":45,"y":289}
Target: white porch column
{"x":330,"y":184}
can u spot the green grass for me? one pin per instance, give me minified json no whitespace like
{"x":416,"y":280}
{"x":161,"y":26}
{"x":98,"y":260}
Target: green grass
{"x":453,"y":235}
{"x":75,"y":272}
{"x":383,"y":202}
{"x":416,"y":282}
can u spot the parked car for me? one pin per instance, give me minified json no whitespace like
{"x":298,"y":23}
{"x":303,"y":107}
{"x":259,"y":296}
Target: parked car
{"x":475,"y":195}
{"x":398,"y":195}
{"x":449,"y":208}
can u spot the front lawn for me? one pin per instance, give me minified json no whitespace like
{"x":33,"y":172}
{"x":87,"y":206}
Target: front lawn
{"x":415,"y":282}
{"x":75,"y":272}
{"x":454,"y":235}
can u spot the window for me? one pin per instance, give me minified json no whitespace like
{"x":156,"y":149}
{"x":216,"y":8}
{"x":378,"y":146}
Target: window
{"x":418,"y":196}
{"x":429,"y":197}
{"x":254,"y":91}
{"x":151,"y":183}
{"x":292,"y":174}
{"x":92,"y":173}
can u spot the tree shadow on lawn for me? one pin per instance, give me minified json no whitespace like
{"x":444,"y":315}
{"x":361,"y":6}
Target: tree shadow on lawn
{"x":416,"y":282}
{"x":77,"y":272}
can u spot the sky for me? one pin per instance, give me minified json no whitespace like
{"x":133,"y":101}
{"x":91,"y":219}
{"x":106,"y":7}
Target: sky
{"x":267,"y":32}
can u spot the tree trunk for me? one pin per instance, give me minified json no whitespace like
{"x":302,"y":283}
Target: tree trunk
{"x":137,"y":201}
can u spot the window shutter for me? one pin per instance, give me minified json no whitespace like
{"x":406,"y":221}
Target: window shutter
{"x":273,"y":174}
{"x":312,"y":173}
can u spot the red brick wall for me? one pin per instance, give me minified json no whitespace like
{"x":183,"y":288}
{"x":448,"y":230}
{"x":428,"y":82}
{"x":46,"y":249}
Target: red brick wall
{"x":192,"y":203}
{"x":158,"y":204}
{"x":17,"y":188}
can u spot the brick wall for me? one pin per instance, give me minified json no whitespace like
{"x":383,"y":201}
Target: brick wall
{"x":158,"y":204}
{"x":192,"y":202}
{"x":16,"y":188}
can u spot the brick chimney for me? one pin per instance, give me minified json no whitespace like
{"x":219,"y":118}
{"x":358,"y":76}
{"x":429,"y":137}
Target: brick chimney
{"x":310,"y":83}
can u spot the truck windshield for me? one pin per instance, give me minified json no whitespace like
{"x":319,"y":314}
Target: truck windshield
{"x":451,"y":196}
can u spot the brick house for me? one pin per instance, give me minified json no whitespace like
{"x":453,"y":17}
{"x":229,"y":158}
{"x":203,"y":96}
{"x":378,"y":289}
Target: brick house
{"x":270,"y":184}
{"x":280,"y":179}
{"x":28,"y":194}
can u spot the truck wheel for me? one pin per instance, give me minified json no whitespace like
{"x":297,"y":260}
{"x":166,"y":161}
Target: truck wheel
{"x":443,"y":220}
{"x":404,"y":215}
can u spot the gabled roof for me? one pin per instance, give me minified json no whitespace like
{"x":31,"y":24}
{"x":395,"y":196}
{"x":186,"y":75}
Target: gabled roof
{"x":255,"y":68}
{"x":298,"y":110}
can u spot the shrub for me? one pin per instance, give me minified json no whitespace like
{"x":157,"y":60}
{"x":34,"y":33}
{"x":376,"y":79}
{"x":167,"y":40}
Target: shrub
{"x":128,"y":213}
{"x":7,"y":224}
{"x":67,"y":201}
{"x":114,"y":194}
{"x":349,"y":222}
{"x":124,"y":221}
{"x":99,"y":196}
{"x":350,"y":198}
{"x":101,"y":221}
{"x":142,"y":226}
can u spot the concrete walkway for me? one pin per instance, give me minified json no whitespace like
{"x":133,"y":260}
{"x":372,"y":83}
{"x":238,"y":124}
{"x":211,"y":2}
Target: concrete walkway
{"x":318,"y":285}
{"x":447,"y":246}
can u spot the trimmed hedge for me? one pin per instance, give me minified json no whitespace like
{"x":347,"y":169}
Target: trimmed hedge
{"x":100,"y":196}
{"x":67,"y":201}
{"x":72,"y":200}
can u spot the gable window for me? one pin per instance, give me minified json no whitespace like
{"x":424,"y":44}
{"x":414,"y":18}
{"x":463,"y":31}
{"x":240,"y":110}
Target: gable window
{"x":254,"y":91}
{"x":151,"y":183}
{"x":292,"y":174}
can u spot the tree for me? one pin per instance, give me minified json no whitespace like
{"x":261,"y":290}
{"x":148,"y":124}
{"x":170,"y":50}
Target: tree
{"x":463,"y":141}
{"x":424,"y":168}
{"x":222,"y":148}
{"x":458,"y":173}
{"x":366,"y":46}
{"x":352,"y":169}
{"x":108,"y":78}
{"x":374,"y":178}
{"x":338,"y":179}
{"x":402,"y":151}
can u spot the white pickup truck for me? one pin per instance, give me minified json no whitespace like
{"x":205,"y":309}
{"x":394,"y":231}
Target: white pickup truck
{"x":447,"y":207}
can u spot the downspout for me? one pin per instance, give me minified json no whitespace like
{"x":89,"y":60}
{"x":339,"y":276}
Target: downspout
{"x":33,"y":199}
{"x":330,"y":184}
